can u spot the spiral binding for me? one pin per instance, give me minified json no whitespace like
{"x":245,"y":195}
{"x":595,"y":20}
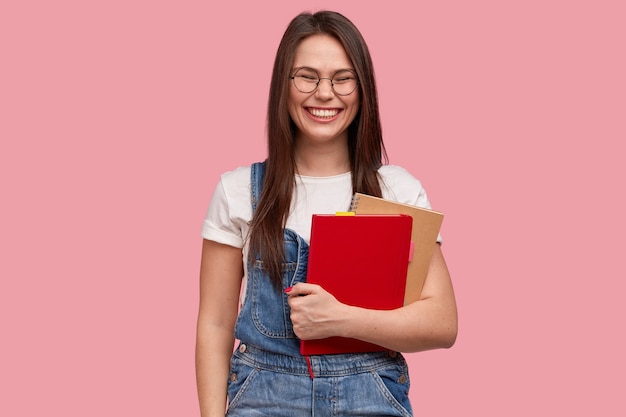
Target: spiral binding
{"x":354,"y":203}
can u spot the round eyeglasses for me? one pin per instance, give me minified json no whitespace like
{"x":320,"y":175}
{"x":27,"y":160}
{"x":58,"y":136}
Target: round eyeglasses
{"x":306,"y":80}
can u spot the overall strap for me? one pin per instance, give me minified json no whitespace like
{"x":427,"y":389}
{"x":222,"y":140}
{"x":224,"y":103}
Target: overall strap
{"x":257,"y":175}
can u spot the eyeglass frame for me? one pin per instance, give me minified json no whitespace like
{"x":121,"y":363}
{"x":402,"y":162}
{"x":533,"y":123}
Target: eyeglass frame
{"x":319,"y":79}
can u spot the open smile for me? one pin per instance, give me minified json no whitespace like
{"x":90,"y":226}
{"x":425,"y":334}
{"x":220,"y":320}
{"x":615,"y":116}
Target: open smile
{"x":326,"y":114}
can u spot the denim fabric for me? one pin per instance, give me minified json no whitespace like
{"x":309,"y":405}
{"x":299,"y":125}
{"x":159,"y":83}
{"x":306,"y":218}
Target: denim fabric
{"x":269,"y":376}
{"x":264,"y":383}
{"x":264,"y":319}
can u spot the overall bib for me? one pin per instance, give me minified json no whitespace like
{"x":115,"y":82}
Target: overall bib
{"x":269,"y":376}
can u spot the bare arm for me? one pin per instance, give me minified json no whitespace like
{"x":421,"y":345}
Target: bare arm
{"x":428,"y":323}
{"x":221,"y":271}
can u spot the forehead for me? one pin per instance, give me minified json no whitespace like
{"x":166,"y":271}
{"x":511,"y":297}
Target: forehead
{"x":321,"y":52}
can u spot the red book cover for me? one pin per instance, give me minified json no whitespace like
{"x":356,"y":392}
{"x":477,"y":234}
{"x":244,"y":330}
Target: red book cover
{"x":362,"y":260}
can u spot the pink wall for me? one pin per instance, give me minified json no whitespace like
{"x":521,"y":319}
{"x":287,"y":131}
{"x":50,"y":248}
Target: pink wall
{"x":117,"y":117}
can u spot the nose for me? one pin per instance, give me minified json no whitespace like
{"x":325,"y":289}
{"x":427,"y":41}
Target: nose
{"x":325,"y":89}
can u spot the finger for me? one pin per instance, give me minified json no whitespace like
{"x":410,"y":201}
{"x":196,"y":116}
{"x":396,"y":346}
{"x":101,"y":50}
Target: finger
{"x":301,"y":289}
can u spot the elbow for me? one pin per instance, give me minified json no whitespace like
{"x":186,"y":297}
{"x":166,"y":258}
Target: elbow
{"x":450,"y":332}
{"x":448,"y":339}
{"x":446,"y":336}
{"x":441,"y":338}
{"x":449,"y":329}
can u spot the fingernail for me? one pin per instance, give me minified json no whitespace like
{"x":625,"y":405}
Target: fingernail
{"x":288,"y":290}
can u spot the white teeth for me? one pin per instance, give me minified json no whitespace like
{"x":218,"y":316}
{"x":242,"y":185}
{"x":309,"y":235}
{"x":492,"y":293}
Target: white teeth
{"x":323,"y":113}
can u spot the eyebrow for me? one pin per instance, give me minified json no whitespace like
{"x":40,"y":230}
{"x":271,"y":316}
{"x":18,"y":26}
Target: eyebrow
{"x":318,"y":71}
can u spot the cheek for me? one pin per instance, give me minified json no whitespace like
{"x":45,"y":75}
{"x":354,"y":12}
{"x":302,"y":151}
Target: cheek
{"x":293,"y":106}
{"x":355,"y":105}
{"x":293,"y":114}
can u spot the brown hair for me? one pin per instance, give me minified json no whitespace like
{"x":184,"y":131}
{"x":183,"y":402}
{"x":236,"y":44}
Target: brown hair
{"x":365,"y":143}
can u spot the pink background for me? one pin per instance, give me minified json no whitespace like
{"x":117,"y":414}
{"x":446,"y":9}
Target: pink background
{"x":117,"y":117}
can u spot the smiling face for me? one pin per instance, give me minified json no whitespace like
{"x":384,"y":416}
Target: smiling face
{"x":322,"y":116}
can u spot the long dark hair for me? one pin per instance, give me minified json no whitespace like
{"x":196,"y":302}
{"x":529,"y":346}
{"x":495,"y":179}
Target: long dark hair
{"x":365,"y":143}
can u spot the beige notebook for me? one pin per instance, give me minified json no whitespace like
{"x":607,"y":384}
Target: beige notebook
{"x":424,"y":233}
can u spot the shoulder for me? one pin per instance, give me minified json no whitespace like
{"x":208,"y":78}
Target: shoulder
{"x":400,"y":185}
{"x":236,"y":181}
{"x":237,"y":175}
{"x":396,"y":173}
{"x":233,"y":188}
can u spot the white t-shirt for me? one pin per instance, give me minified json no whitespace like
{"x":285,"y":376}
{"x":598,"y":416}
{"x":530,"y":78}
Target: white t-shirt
{"x":230,"y":209}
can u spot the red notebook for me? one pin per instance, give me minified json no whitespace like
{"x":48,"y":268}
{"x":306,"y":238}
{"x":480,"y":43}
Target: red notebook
{"x":362,"y":260}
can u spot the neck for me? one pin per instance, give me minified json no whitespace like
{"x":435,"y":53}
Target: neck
{"x":322,"y":163}
{"x":322,"y":160}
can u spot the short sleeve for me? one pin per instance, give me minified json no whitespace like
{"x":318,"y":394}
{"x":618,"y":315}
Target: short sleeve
{"x":218,"y":224}
{"x":229,"y":213}
{"x":399,"y":185}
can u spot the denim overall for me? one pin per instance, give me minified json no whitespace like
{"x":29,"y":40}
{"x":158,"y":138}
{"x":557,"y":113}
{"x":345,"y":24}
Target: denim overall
{"x":269,"y":376}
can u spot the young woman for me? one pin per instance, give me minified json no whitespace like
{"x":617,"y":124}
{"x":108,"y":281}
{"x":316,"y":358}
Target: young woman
{"x":324,"y":144}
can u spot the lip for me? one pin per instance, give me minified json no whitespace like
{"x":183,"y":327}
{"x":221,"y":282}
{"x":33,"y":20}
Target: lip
{"x":323,"y":114}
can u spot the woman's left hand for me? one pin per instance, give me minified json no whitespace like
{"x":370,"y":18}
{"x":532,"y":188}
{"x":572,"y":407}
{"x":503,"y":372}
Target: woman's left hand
{"x":315,"y":313}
